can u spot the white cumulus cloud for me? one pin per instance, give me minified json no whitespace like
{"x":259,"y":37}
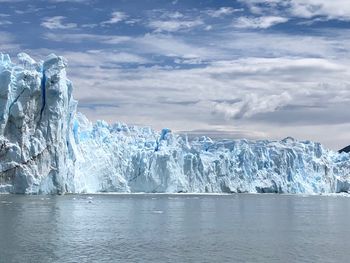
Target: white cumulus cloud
{"x":116,"y":17}
{"x":222,"y":11}
{"x":173,"y":25}
{"x":258,"y":22}
{"x":332,"y":9}
{"x":57,"y":22}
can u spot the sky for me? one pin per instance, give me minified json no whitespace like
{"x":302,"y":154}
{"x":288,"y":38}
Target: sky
{"x":255,"y":69}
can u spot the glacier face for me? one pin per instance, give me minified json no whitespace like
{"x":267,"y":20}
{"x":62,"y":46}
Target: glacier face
{"x":47,"y":147}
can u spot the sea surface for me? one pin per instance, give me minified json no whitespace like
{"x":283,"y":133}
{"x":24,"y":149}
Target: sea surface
{"x":174,"y":228}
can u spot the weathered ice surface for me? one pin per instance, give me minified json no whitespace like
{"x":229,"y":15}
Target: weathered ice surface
{"x":46,"y":147}
{"x":36,"y":115}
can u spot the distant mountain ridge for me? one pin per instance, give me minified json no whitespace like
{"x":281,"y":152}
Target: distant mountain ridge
{"x":346,"y":149}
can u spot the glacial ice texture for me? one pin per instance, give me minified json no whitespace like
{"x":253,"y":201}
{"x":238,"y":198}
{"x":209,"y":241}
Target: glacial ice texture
{"x":47,"y":147}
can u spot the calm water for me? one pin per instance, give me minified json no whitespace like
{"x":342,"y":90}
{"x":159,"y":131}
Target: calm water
{"x":174,"y":228}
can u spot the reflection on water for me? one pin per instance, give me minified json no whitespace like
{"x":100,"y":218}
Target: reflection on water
{"x":174,"y":228}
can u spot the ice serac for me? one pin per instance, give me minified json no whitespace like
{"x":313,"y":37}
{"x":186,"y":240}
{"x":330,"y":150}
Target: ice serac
{"x":36,"y":115}
{"x":46,"y":147}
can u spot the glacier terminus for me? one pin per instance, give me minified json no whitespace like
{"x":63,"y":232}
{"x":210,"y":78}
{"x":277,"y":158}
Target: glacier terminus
{"x":47,"y":147}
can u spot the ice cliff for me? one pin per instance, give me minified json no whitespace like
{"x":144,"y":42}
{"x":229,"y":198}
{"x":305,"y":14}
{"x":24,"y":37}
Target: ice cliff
{"x":47,"y":147}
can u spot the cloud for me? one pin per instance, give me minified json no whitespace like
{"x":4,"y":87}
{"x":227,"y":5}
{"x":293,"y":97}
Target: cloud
{"x":5,"y":22}
{"x":173,"y":47}
{"x":218,"y":46}
{"x":173,"y":15}
{"x":104,"y":58}
{"x":219,"y":133}
{"x":234,"y":79}
{"x":56,"y":22}
{"x":258,"y":22}
{"x":252,"y":91}
{"x":8,"y":43}
{"x":173,"y":25}
{"x":242,"y":89}
{"x":222,"y":11}
{"x":116,"y":17}
{"x":29,"y":9}
{"x":252,"y":104}
{"x":150,"y":44}
{"x":80,"y":37}
{"x":336,"y":9}
{"x":263,"y":44}
{"x":70,"y":1}
{"x":133,"y":21}
{"x":6,"y":37}
{"x":161,"y":20}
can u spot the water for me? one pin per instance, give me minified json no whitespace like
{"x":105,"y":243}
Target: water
{"x":174,"y":228}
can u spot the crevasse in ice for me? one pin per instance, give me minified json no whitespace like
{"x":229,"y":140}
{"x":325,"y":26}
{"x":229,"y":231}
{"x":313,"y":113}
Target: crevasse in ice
{"x":47,"y":147}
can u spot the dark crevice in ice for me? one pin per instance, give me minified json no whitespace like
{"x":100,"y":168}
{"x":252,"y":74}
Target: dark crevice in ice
{"x":43,"y":95}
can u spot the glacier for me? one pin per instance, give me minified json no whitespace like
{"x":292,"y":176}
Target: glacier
{"x":47,"y":147}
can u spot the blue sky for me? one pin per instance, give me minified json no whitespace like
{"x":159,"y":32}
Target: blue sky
{"x":253,"y":69}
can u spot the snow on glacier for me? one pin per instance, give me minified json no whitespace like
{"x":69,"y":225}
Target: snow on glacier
{"x":47,"y":147}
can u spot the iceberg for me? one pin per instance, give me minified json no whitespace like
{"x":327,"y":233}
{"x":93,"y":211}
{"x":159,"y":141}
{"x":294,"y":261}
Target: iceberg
{"x":47,"y":147}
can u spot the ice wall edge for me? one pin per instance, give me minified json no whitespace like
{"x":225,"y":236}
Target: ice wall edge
{"x":47,"y":147}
